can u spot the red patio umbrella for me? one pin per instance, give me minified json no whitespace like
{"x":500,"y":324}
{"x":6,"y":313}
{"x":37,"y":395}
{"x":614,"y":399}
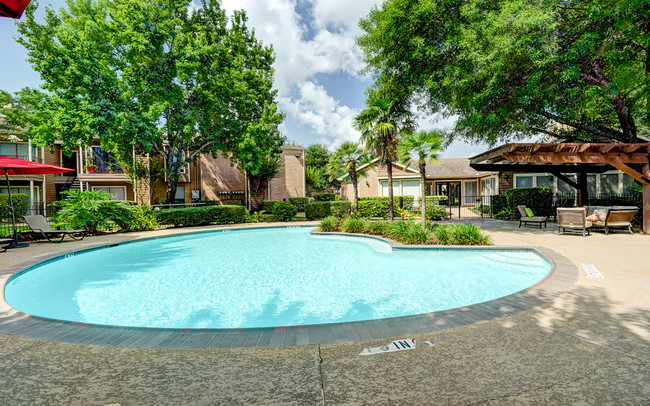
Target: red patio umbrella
{"x":13,"y":8}
{"x":17,"y":166}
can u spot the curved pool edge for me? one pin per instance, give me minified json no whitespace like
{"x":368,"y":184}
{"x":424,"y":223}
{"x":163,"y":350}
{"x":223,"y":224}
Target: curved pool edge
{"x":561,"y":277}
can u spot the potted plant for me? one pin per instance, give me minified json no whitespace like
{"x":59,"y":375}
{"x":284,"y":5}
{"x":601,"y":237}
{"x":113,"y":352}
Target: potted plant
{"x":91,"y":168}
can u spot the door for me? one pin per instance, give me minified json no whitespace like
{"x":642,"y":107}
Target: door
{"x":69,"y":162}
{"x":451,"y":190}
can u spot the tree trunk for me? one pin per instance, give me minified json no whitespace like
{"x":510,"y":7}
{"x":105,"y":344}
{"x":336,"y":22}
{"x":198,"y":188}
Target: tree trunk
{"x":389,"y":171}
{"x":423,"y":209}
{"x":174,"y":161}
{"x":355,"y":182}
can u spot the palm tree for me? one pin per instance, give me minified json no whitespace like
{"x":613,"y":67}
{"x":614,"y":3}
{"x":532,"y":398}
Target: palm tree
{"x":381,"y":124}
{"x":423,"y":146}
{"x":348,"y":158}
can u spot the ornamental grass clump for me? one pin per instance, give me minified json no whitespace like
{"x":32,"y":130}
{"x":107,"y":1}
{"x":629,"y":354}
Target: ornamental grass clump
{"x":469,"y":234}
{"x":353,"y":225}
{"x":377,"y":227}
{"x":408,"y":232}
{"x":329,"y":224}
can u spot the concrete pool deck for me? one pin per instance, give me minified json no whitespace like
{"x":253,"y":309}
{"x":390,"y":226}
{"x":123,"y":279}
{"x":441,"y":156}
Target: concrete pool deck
{"x":590,"y":345}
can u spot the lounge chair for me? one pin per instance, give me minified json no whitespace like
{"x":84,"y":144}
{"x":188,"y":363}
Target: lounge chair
{"x":6,"y":241}
{"x":615,"y":217}
{"x":39,"y":225}
{"x":525,"y":219}
{"x":572,"y":218}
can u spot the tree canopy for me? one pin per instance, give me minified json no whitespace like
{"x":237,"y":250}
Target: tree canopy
{"x":574,"y":70}
{"x":157,"y":76}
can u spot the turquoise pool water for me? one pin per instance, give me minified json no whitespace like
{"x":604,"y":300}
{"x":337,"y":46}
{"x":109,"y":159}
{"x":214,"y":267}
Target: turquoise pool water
{"x":262,"y":278}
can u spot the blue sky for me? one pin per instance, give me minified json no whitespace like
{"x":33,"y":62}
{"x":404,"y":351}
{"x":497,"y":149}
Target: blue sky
{"x":317,"y":66}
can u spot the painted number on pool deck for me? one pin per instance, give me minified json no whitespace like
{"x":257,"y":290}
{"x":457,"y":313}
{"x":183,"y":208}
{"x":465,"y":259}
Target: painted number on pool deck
{"x":397,"y":345}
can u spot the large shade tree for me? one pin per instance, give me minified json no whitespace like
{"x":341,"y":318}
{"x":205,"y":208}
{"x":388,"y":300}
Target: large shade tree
{"x":420,"y":146}
{"x":155,"y":77}
{"x":571,"y":69}
{"x":349,"y":159}
{"x":380,"y":124}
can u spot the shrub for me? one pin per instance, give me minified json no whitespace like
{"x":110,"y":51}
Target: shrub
{"x":284,"y":211}
{"x":353,"y":225}
{"x":469,"y":234}
{"x":325,"y":197}
{"x":233,"y":202}
{"x":199,"y":216}
{"x":378,"y":227}
{"x":319,"y":210}
{"x":404,"y":214}
{"x":436,"y":212}
{"x":538,"y":199}
{"x":93,"y":211}
{"x":503,"y":215}
{"x":267,"y":205}
{"x":373,"y":208}
{"x":499,"y":203}
{"x":144,"y":218}
{"x":408,"y":232}
{"x":442,"y":234}
{"x":299,"y":202}
{"x":407,"y":201}
{"x":433,"y":200}
{"x":21,"y":205}
{"x":258,"y":217}
{"x":329,"y":224}
{"x":211,"y":202}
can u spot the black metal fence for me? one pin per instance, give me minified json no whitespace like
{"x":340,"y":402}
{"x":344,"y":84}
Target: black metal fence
{"x":469,"y":206}
{"x":6,"y":226}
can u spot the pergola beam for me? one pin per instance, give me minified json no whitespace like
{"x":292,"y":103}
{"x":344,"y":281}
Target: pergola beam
{"x":632,"y":173}
{"x":541,"y":168}
{"x":577,"y":158}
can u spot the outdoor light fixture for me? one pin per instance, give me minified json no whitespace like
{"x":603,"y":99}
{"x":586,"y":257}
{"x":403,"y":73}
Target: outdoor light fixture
{"x":298,"y":154}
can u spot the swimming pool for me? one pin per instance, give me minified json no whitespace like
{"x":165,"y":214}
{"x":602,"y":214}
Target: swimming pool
{"x":263,"y":278}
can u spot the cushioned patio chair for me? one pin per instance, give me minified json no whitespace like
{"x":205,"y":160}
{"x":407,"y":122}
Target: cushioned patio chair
{"x":525,"y":218}
{"x":572,"y":218}
{"x":39,"y":225}
{"x":611,"y":218}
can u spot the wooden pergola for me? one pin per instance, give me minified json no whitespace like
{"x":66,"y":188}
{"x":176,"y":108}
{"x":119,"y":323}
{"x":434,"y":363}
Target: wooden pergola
{"x":578,"y":158}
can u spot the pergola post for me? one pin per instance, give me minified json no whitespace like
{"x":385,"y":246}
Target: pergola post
{"x":583,"y":193}
{"x":645,"y":170}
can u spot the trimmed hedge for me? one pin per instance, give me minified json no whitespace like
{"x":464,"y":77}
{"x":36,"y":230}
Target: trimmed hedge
{"x":200,"y":216}
{"x":538,"y":199}
{"x":21,"y":205}
{"x":284,"y":211}
{"x":325,"y":197}
{"x":299,"y":202}
{"x":373,"y":208}
{"x":499,"y":203}
{"x":406,"y":200}
{"x":319,"y":210}
{"x":267,"y":205}
{"x":233,"y":202}
{"x":433,"y":200}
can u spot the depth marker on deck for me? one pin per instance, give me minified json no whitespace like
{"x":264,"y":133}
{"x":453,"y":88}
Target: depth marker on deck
{"x":592,"y":272}
{"x":397,"y":345}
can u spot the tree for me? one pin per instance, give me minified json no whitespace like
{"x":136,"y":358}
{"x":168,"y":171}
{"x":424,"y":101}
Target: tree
{"x":14,"y":113}
{"x":574,"y":70}
{"x":381,"y":124}
{"x":259,"y":181}
{"x":153,"y":76}
{"x":347,"y":159}
{"x":421,"y":146}
{"x":316,"y":159}
{"x":316,"y":155}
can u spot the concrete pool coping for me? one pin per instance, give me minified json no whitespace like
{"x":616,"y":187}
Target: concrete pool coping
{"x":562,"y":276}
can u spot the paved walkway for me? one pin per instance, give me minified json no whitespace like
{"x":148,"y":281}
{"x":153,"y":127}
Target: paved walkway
{"x":590,"y":345}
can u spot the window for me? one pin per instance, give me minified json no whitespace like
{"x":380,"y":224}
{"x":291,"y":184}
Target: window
{"x":411,"y":188}
{"x":544,"y":180}
{"x":609,"y":183}
{"x":563,"y":188}
{"x":591,"y":185}
{"x":471,"y":192}
{"x":524,"y":181}
{"x":180,"y":194}
{"x":118,"y":191}
{"x":18,"y":150}
{"x":384,"y":188}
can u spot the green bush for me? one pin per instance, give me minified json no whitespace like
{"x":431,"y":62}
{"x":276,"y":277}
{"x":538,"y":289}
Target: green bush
{"x":319,"y":210}
{"x":436,"y":212}
{"x":267,"y":205}
{"x":538,"y":199}
{"x":353,"y":225}
{"x":373,"y":208}
{"x":143,"y":218}
{"x":442,"y":234}
{"x":378,"y":227}
{"x":433,"y":200}
{"x":210,"y":202}
{"x":407,"y":201}
{"x":499,"y":203}
{"x":325,"y":197}
{"x":299,"y":202}
{"x":408,"y":232}
{"x":503,"y":215}
{"x":199,"y":216}
{"x":233,"y":202}
{"x":21,"y":205}
{"x":284,"y":211}
{"x":329,"y":224}
{"x":93,"y":211}
{"x":469,"y":234}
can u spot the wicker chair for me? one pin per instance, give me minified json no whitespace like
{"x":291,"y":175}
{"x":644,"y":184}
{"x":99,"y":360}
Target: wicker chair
{"x":572,"y":218}
{"x":617,"y":218}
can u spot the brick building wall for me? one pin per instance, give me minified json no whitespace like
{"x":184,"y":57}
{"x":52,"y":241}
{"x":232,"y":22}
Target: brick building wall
{"x":219,"y":176}
{"x":290,"y":181}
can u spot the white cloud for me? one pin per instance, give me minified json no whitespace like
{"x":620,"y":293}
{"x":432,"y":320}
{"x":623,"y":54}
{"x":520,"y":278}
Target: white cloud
{"x":326,"y":46}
